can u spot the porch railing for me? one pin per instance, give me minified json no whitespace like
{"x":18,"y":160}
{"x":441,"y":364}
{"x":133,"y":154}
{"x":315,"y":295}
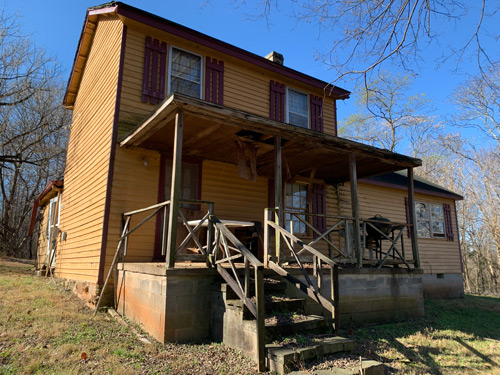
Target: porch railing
{"x":221,"y":250}
{"x":227,"y":250}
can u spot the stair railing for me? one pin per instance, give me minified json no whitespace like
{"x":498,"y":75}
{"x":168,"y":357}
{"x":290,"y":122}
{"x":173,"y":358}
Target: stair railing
{"x":226,"y":249}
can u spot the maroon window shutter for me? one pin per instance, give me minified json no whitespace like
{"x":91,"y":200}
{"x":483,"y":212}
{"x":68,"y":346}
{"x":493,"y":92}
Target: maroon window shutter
{"x":277,"y":101}
{"x":155,"y":69}
{"x":448,"y":226}
{"x":214,"y":81}
{"x":319,"y":207}
{"x":407,"y":208}
{"x":316,"y":109}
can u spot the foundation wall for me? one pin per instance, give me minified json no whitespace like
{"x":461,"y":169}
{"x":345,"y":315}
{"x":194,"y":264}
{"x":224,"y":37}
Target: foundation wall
{"x":443,"y":285}
{"x":171,"y":305}
{"x":371,"y":296}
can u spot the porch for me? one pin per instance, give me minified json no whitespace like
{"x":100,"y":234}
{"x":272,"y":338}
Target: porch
{"x":345,"y":265}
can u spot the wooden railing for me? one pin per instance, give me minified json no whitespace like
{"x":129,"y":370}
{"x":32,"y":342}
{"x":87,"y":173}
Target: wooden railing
{"x":226,"y":251}
{"x":377,"y":248}
{"x":121,"y":249}
{"x":221,"y":250}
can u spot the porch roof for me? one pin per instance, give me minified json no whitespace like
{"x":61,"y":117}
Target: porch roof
{"x":210,"y":132}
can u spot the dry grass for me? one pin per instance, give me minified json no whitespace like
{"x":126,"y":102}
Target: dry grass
{"x":459,"y":336}
{"x":45,"y":329}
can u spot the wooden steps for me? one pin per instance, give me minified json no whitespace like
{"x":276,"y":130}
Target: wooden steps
{"x":286,"y":322}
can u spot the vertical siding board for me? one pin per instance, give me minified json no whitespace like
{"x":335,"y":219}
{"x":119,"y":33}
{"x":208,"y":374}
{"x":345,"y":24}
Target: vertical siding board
{"x":88,"y":155}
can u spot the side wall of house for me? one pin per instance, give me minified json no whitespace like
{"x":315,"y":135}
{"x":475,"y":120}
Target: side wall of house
{"x":439,"y":258}
{"x":87,"y":163}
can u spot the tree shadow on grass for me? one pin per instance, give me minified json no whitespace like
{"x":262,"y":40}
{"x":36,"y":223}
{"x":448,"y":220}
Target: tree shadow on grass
{"x":421,"y":344}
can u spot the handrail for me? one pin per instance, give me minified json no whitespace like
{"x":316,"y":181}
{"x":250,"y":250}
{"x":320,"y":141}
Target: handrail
{"x":223,"y":239}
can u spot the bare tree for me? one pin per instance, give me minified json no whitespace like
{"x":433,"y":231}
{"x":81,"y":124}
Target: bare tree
{"x":390,"y":118}
{"x":369,"y":33}
{"x":33,"y":130}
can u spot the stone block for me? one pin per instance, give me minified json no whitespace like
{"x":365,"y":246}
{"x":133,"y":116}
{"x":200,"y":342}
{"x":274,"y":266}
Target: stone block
{"x":156,"y":287}
{"x":179,"y":321}
{"x":179,"y":286}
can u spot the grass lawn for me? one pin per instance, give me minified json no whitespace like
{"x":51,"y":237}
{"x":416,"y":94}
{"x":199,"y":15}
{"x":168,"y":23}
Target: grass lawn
{"x":45,"y":329}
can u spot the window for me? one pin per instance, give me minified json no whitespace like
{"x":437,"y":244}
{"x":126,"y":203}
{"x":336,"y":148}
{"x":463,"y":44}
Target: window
{"x":185,"y":73}
{"x":297,"y":108}
{"x":296,"y":201}
{"x":430,"y":220}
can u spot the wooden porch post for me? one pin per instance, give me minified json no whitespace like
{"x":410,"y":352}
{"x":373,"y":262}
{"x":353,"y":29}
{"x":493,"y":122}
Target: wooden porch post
{"x":413,"y":219}
{"x":278,"y":192}
{"x":355,"y":209}
{"x":175,"y":190}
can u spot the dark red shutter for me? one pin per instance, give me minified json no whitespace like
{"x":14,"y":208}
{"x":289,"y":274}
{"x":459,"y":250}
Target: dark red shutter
{"x":407,"y":208}
{"x":214,"y":81}
{"x":319,"y":207}
{"x":155,"y":68}
{"x":277,"y":101}
{"x":316,"y":109}
{"x":448,"y":226}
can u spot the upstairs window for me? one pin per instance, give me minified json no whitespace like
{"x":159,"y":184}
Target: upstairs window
{"x":185,"y":73}
{"x":297,"y":108}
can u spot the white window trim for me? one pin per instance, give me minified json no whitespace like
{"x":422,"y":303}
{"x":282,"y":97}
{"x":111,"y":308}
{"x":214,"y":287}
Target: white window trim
{"x":169,"y":71}
{"x":431,"y":232}
{"x":287,"y":117}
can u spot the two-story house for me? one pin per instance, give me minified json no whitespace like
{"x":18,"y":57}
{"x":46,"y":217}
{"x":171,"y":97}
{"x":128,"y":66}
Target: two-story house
{"x":234,"y":160}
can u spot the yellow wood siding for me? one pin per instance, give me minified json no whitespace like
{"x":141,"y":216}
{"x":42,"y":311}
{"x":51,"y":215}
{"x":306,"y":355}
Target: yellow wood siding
{"x":135,"y":186}
{"x":42,"y":238}
{"x":82,"y":209}
{"x":437,"y":255}
{"x":234,"y":197}
{"x":246,"y":87}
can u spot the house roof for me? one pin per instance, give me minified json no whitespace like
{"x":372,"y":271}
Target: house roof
{"x":399,"y":180}
{"x":130,"y":12}
{"x":210,"y":132}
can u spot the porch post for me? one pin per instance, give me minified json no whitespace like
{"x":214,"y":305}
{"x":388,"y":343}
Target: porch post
{"x":413,"y":218}
{"x":173,"y":213}
{"x":278,"y":193}
{"x":355,"y":209}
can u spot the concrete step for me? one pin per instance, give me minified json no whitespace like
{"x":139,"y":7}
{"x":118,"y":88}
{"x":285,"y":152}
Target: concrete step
{"x":309,"y":324}
{"x":285,"y":359}
{"x":370,"y":367}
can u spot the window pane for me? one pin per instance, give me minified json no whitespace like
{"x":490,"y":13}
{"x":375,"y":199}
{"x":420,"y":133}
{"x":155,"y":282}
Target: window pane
{"x":185,"y":73}
{"x":422,"y":211}
{"x":423,"y":229}
{"x":295,"y":201}
{"x":298,"y":112}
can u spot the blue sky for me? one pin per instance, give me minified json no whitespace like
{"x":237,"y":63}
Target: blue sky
{"x":56,"y":25}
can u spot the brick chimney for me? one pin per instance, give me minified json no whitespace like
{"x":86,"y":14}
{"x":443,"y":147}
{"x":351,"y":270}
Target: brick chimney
{"x":275,"y":57}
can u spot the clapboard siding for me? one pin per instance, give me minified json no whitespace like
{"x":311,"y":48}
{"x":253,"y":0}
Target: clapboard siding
{"x":42,"y":238}
{"x":437,"y":255}
{"x":87,"y":162}
{"x":246,"y":87}
{"x":135,"y":186}
{"x":235,"y":198}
